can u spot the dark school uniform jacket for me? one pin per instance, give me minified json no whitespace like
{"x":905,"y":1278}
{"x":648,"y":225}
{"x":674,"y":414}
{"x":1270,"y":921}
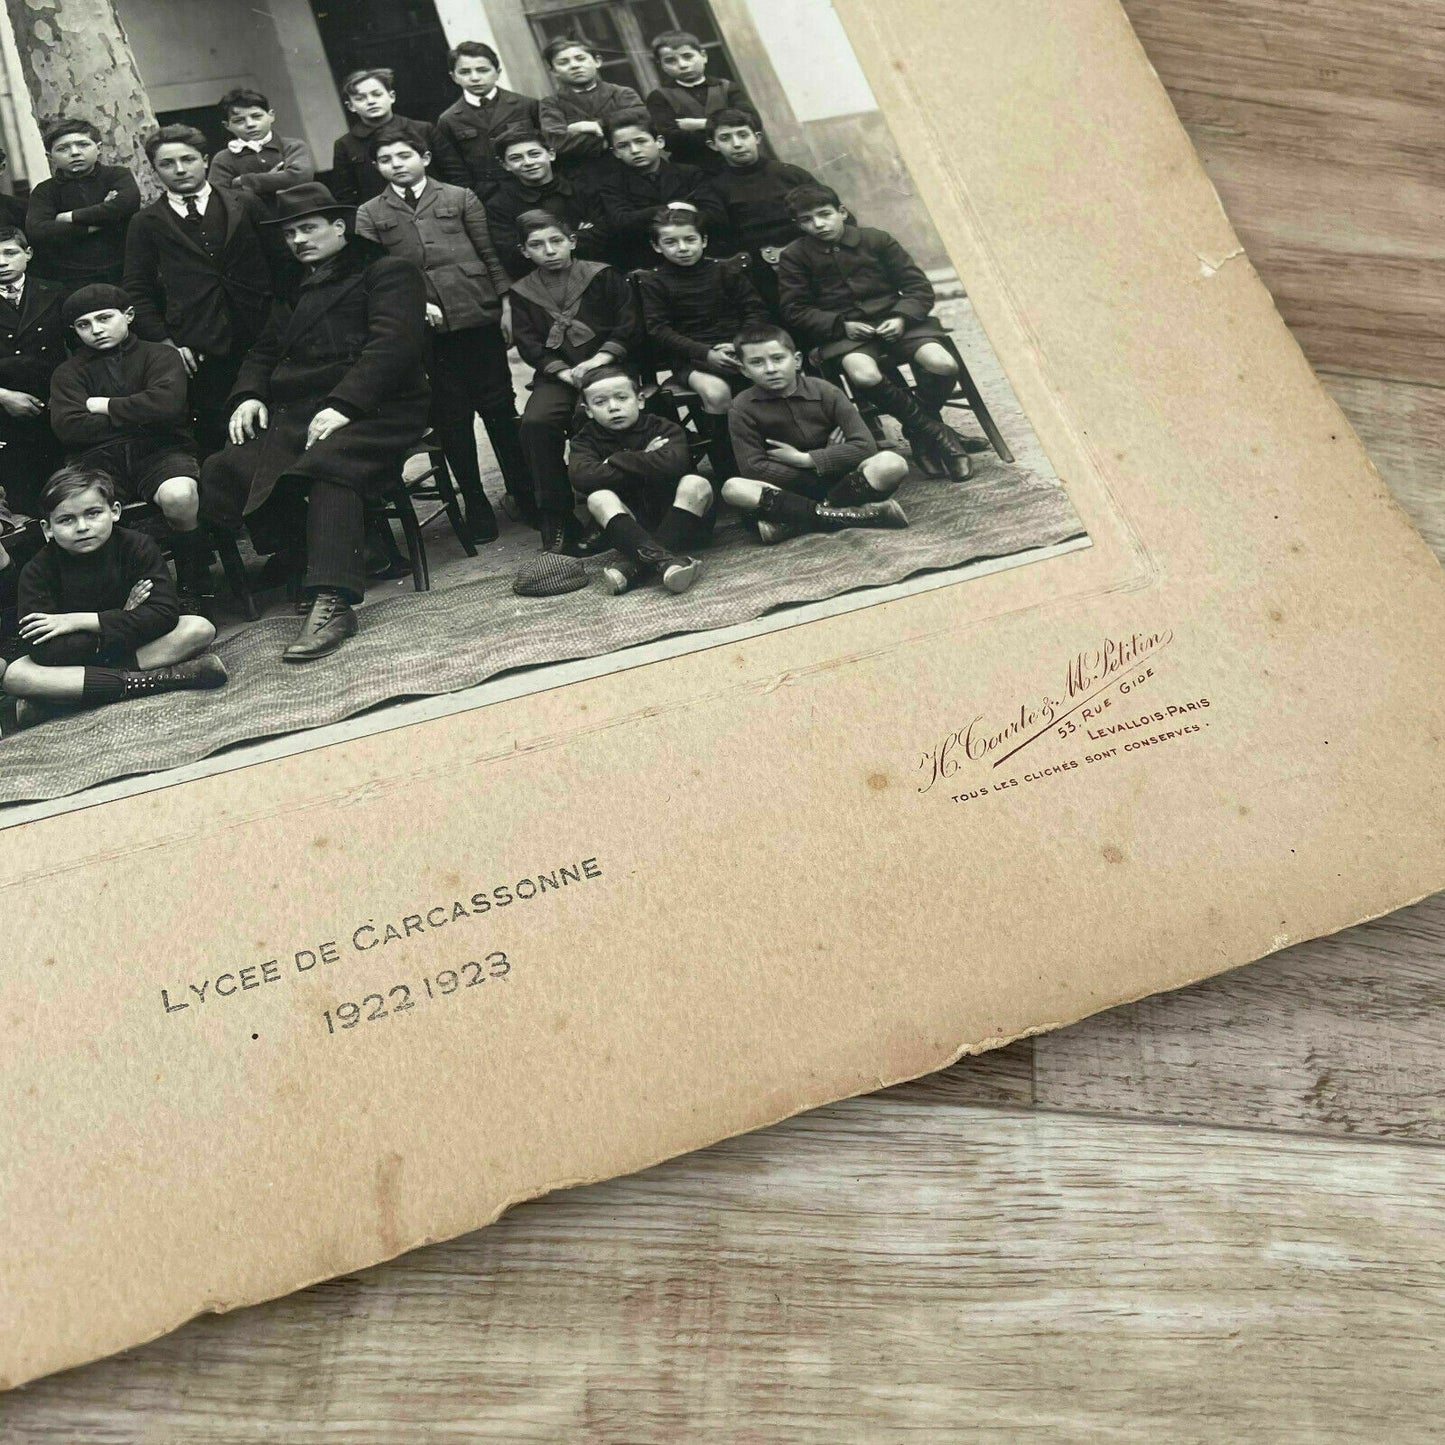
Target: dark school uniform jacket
{"x":628,"y":199}
{"x":91,"y":246}
{"x":599,"y":459}
{"x":752,"y":198}
{"x":146,"y":381}
{"x":448,"y":238}
{"x":280,"y":163}
{"x":213,"y":298}
{"x":465,"y":134}
{"x":32,"y":340}
{"x":57,"y":581}
{"x":557,"y":112}
{"x":354,"y":338}
{"x":669,"y":103}
{"x":607,"y":309}
{"x":863,"y":276}
{"x":354,"y":176}
{"x":687,"y":310}
{"x":805,"y":420}
{"x":568,"y":198}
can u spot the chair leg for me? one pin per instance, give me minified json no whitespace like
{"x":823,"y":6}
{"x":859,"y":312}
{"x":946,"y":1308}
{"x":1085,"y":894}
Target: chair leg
{"x":979,"y":408}
{"x":235,"y":570}
{"x":415,"y":543}
{"x":441,"y":479}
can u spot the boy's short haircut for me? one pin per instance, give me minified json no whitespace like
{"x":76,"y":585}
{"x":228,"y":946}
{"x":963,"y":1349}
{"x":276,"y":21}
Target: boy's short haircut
{"x":241,"y":98}
{"x":608,"y":373}
{"x":98,"y":296}
{"x":733,"y":115}
{"x":631,"y":120}
{"x":472,"y":48}
{"x":70,"y":482}
{"x":390,"y":135}
{"x":375,"y":72}
{"x":530,"y":222}
{"x":14,"y":233}
{"x":674,"y":40}
{"x":519,"y":135}
{"x":69,"y":125}
{"x":679,"y":213}
{"x":810,"y":197}
{"x":761,"y":333}
{"x":556,"y":46}
{"x":185,"y":135}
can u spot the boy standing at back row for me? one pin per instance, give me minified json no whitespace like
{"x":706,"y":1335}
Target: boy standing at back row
{"x":370,"y":96}
{"x":256,"y":159}
{"x":682,"y":104}
{"x":468,"y":130}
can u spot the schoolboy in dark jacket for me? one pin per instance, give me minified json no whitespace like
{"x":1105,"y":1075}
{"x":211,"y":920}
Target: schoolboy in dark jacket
{"x":464,"y":146}
{"x":256,"y":160}
{"x":533,"y":183}
{"x":635,"y":472}
{"x":569,"y":317}
{"x":640,"y":179}
{"x":77,"y":219}
{"x":198,"y":273}
{"x":32,"y":345}
{"x":442,"y":230}
{"x":97,"y":609}
{"x":806,"y":459}
{"x":370,"y":96}
{"x":684,"y":101}
{"x":574,"y":119}
{"x":853,"y":293}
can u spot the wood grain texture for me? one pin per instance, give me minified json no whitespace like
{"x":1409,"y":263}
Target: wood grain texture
{"x":874,"y":1271}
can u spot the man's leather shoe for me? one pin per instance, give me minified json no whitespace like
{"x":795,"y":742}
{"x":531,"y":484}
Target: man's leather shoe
{"x":328,"y":624}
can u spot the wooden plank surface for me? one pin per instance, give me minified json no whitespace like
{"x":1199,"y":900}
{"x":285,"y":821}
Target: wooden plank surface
{"x":875,"y":1271}
{"x":938,"y":1261}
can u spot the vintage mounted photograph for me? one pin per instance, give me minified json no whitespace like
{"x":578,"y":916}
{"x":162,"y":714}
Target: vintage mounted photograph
{"x":359,"y":353}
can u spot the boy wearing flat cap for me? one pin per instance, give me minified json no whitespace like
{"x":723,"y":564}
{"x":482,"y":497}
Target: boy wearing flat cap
{"x":328,"y":404}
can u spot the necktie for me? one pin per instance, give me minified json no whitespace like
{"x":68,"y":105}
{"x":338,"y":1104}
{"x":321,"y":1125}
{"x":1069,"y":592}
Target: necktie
{"x":409,"y":195}
{"x":193,"y":211}
{"x":11,"y":294}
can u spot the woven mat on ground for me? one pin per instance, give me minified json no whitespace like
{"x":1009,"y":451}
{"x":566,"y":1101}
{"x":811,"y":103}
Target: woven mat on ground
{"x":417,"y":645}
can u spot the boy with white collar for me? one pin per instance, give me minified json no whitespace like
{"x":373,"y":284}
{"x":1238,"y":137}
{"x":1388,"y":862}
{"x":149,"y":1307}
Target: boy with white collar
{"x":256,"y":159}
{"x":467,"y":131}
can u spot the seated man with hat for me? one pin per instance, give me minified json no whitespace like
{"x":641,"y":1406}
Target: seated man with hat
{"x":328,"y":403}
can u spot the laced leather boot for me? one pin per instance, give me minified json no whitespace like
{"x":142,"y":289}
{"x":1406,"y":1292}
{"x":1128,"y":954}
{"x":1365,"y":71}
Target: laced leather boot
{"x":328,"y":624}
{"x":886,"y":515}
{"x":937,"y":448}
{"x":194,"y":674}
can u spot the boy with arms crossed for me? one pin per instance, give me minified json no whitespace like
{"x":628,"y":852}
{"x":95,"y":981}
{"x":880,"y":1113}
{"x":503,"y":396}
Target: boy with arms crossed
{"x":635,"y":470}
{"x":32,"y":345}
{"x":692,"y":307}
{"x":198,"y":272}
{"x":97,"y":608}
{"x":77,"y":219}
{"x":442,"y":230}
{"x":638,"y":181}
{"x":256,"y":160}
{"x":569,"y":318}
{"x":682,"y":104}
{"x":807,"y":461}
{"x":468,"y":130}
{"x":854,"y":293}
{"x":119,"y":406}
{"x":573,"y":120}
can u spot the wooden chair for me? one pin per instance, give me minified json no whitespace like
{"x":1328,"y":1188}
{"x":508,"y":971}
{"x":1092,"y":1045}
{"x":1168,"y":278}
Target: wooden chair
{"x":435,"y":484}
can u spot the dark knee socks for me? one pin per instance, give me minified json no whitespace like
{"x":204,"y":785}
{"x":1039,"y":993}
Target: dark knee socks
{"x":633,"y":540}
{"x":683,"y":531}
{"x":776,"y":505}
{"x":933,"y":390}
{"x":101,"y":685}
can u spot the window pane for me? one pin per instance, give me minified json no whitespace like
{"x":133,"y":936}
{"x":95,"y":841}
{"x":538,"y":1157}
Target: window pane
{"x":598,"y":27}
{"x":655,"y":16}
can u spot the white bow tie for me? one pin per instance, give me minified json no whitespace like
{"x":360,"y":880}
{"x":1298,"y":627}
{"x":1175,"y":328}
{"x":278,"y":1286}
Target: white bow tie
{"x":237,"y":146}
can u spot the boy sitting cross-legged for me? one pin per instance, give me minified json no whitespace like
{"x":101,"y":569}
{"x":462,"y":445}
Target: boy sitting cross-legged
{"x":635,"y":470}
{"x":97,"y":608}
{"x":853,"y":293}
{"x":807,"y":461}
{"x":119,"y":404}
{"x":692,"y":307}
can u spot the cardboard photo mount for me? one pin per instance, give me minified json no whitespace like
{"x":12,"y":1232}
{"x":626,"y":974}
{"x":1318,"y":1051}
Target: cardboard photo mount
{"x":788,"y":869}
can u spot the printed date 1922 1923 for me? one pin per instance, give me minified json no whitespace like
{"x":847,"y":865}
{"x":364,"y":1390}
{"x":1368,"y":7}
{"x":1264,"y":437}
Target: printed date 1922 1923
{"x":402,"y":996}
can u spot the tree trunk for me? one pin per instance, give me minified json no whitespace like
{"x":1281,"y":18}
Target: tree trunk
{"x":77,"y":62}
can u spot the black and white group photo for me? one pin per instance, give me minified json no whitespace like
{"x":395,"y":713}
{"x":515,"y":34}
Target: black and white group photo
{"x":351,"y":355}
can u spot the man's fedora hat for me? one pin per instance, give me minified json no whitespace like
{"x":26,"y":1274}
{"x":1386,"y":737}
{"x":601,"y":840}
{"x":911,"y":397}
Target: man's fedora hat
{"x":309,"y":199}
